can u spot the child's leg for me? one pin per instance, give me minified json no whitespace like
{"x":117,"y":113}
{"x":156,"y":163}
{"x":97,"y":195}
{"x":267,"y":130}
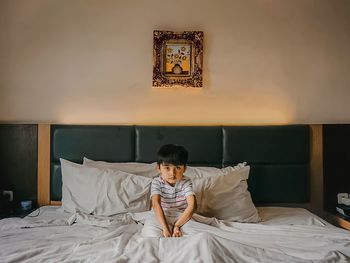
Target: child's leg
{"x":151,"y":227}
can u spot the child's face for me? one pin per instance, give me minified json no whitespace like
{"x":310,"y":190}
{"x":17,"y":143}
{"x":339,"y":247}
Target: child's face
{"x":171,"y":173}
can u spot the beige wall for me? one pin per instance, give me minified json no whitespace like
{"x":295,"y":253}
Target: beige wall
{"x":265,"y":61}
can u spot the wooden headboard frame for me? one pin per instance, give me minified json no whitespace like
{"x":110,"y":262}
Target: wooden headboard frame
{"x":44,"y":159}
{"x":44,"y":166}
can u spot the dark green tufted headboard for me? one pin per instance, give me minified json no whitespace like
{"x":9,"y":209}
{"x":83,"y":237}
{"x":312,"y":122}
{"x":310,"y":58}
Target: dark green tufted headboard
{"x":279,"y":156}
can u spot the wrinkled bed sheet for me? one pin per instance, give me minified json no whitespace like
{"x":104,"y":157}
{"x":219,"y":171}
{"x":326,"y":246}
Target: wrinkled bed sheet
{"x":284,"y":235}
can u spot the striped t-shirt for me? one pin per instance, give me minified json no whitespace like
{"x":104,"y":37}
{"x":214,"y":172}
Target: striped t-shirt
{"x":172,"y":197}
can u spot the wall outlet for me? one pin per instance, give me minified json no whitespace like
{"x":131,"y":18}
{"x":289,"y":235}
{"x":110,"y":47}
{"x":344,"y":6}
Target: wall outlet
{"x":8,"y":194}
{"x":340,"y":197}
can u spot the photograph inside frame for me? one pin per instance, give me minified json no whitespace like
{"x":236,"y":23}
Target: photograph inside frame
{"x":177,"y":59}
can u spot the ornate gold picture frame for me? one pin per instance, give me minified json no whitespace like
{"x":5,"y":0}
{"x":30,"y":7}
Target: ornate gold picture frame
{"x":177,"y":59}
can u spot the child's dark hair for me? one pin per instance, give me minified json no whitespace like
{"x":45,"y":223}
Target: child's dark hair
{"x":172,"y":154}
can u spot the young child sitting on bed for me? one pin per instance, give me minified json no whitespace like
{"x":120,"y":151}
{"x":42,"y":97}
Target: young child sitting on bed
{"x":173,"y":200}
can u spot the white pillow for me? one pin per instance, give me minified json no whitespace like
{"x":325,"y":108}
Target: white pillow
{"x":103,"y":191}
{"x":123,"y":192}
{"x":145,"y":169}
{"x":226,"y":197}
{"x":78,"y":186}
{"x":202,"y":172}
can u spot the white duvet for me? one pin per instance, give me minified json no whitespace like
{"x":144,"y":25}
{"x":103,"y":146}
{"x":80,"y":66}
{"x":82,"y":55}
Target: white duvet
{"x":285,"y":235}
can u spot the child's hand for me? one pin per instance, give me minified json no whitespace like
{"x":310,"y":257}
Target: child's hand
{"x":177,"y":232}
{"x":166,"y":233}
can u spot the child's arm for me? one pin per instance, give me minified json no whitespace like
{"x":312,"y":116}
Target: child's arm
{"x":186,"y":215}
{"x":160,"y":215}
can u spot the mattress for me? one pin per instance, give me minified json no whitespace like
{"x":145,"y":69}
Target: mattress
{"x":284,"y":235}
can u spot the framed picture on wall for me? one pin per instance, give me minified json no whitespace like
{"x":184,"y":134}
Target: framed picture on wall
{"x":177,"y":59}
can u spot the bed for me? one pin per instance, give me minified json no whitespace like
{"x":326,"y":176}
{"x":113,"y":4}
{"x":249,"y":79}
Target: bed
{"x":278,"y":161}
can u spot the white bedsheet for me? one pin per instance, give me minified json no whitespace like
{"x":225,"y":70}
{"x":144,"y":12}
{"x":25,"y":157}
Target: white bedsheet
{"x":289,"y":216}
{"x":53,"y":237}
